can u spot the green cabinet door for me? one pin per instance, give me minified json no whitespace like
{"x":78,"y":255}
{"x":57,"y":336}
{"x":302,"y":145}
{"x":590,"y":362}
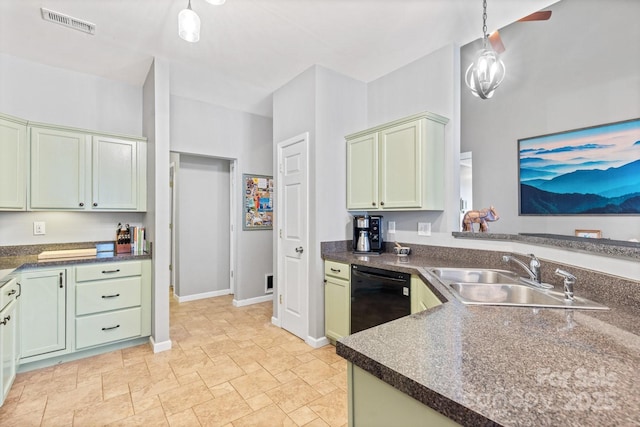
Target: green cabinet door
{"x":421,"y":296}
{"x":42,"y":312}
{"x":8,"y":347}
{"x":401,"y":166}
{"x":114,"y":174}
{"x":336,"y":299}
{"x":362,"y":172}
{"x":58,"y":169}
{"x":13,"y":163}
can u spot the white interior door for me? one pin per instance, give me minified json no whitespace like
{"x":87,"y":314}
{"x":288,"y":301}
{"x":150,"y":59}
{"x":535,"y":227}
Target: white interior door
{"x":293,"y":235}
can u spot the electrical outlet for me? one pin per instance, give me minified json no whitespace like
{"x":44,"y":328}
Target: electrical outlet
{"x":39,"y":228}
{"x":391,"y":228}
{"x":424,"y":229}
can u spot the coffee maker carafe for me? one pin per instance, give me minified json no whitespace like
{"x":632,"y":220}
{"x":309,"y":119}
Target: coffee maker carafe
{"x":367,"y":234}
{"x":363,"y":244}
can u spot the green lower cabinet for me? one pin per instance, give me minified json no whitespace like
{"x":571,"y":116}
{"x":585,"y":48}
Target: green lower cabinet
{"x":421,"y":296}
{"x":337,"y":299}
{"x":374,"y":403}
{"x":43,"y":309}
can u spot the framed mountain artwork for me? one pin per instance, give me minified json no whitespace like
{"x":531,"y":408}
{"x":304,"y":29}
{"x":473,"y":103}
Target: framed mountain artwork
{"x":590,"y":171}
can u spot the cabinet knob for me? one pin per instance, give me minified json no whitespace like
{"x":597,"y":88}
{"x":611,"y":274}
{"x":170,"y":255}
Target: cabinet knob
{"x":373,"y":203}
{"x":381,"y":203}
{"x":81,"y":204}
{"x":95,"y":204}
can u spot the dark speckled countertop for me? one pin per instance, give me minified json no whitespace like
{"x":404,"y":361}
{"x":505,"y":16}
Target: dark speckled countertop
{"x":510,"y":366}
{"x":26,"y":257}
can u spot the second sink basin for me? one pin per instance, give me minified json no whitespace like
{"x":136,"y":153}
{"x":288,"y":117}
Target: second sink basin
{"x":502,"y":294}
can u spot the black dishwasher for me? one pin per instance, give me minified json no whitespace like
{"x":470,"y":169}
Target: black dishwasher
{"x":378,"y":296}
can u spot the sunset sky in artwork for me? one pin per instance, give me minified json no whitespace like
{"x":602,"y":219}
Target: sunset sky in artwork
{"x":599,"y":147}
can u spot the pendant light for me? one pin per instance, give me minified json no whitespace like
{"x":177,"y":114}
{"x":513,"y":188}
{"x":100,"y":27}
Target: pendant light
{"x":487,"y":71}
{"x":189,"y":25}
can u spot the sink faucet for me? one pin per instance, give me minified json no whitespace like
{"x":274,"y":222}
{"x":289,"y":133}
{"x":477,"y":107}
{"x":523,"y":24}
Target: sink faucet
{"x":533,"y":270}
{"x":569,"y":281}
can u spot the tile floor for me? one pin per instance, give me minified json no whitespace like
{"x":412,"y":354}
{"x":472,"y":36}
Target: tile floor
{"x":228,"y":367}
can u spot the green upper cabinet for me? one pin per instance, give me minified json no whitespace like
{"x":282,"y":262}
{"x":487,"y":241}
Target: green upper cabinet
{"x":73,"y":169}
{"x":115,"y":174}
{"x":58,"y":169}
{"x":362,"y":172}
{"x":397,"y":166}
{"x":13,"y":163}
{"x":400,"y":166}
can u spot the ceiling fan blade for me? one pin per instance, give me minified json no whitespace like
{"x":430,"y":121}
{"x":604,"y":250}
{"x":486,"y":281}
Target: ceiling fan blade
{"x":496,"y":42}
{"x":542,"y":15}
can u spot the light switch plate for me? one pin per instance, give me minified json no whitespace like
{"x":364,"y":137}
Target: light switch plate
{"x":424,"y":229}
{"x":391,"y":227}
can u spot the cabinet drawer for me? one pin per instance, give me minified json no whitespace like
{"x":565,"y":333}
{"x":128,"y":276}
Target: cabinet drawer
{"x":108,"y":270}
{"x":94,"y":297}
{"x":107,"y":327}
{"x":8,"y":292}
{"x":336,"y":269}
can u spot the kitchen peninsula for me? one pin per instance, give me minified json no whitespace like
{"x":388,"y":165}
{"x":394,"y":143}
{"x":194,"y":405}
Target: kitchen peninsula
{"x":485,"y":365}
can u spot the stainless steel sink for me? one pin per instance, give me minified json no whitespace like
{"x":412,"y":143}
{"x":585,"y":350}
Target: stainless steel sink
{"x":474,"y":275}
{"x":500,"y":287}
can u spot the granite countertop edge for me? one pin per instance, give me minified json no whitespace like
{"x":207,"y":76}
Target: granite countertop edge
{"x":22,"y":258}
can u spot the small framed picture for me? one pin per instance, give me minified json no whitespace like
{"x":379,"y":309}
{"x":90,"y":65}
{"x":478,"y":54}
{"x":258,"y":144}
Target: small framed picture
{"x":594,"y":234}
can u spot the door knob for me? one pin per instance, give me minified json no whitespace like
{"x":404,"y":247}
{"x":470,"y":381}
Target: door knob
{"x":299,"y":249}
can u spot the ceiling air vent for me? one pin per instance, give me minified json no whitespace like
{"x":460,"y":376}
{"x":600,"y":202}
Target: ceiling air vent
{"x":68,"y":21}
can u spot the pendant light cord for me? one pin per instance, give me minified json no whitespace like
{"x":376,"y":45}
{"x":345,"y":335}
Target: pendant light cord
{"x":484,"y":23}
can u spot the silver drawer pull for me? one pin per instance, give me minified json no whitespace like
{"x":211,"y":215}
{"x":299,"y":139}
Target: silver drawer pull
{"x":110,"y":271}
{"x":110,"y":296}
{"x":11,"y":292}
{"x":335,"y":270}
{"x":110,"y":328}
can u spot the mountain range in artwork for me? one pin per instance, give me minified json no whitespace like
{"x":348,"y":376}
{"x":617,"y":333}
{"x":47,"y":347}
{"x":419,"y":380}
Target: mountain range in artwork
{"x":591,"y":171}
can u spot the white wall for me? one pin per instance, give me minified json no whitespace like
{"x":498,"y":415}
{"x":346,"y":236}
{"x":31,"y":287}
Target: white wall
{"x":156,"y":126}
{"x":204,"y":129}
{"x":329,"y":106}
{"x":42,"y":93}
{"x":576,"y":70}
{"x":427,"y":84}
{"x":202,"y":225}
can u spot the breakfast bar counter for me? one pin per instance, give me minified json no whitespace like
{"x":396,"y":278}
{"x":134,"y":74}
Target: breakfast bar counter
{"x":510,"y":366}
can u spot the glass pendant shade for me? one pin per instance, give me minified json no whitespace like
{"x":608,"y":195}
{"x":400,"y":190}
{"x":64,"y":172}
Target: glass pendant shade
{"x":485,"y":74}
{"x":189,"y":25}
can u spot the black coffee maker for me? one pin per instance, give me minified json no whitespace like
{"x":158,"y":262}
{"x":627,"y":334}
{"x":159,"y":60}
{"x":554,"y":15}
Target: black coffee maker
{"x":367,"y":234}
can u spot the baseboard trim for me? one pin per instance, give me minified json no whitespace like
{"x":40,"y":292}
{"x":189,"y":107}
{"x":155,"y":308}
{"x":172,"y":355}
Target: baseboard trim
{"x":160,"y":346}
{"x":275,"y":321}
{"x":250,"y":301}
{"x":204,"y":295}
{"x":317,"y":342}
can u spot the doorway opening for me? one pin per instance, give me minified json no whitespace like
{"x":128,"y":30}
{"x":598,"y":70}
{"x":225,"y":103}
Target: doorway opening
{"x":203,"y":226}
